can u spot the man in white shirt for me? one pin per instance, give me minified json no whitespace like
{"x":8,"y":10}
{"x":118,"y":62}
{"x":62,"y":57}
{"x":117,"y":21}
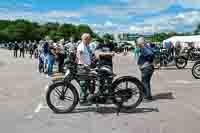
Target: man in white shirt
{"x":83,"y":53}
{"x":84,"y":58}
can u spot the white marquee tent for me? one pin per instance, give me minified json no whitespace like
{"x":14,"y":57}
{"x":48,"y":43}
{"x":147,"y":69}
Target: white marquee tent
{"x":184,"y":40}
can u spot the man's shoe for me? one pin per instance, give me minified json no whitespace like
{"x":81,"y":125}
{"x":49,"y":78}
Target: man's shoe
{"x":150,"y":98}
{"x":85,"y":103}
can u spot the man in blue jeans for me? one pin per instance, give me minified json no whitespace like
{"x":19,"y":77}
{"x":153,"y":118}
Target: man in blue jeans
{"x":145,"y":63}
{"x":51,"y":58}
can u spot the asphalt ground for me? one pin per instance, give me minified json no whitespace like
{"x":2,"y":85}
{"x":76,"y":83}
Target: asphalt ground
{"x":176,"y":108}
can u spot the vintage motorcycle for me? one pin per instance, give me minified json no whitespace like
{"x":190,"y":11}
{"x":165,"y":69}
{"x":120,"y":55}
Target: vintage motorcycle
{"x":165,"y":57}
{"x":196,"y":70}
{"x":125,"y":92}
{"x":188,"y":54}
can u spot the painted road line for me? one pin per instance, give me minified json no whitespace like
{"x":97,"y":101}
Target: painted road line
{"x":37,"y":110}
{"x":46,"y":88}
{"x":181,"y":82}
{"x":40,"y":105}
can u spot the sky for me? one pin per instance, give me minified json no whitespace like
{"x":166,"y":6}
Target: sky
{"x":114,"y":16}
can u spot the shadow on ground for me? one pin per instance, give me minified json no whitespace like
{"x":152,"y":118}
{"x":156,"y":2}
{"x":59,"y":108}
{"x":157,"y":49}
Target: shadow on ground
{"x":110,"y":110}
{"x":173,"y":68}
{"x":160,"y":96}
{"x":2,"y":64}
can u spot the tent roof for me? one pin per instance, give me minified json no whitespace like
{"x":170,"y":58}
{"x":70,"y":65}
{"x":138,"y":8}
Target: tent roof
{"x":183,"y":39}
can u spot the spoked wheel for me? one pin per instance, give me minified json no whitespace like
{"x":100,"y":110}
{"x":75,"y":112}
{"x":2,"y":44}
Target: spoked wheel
{"x":196,"y":71}
{"x":130,"y":91}
{"x":181,"y":63}
{"x":61,"y":98}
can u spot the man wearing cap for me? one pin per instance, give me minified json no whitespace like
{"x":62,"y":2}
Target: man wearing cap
{"x":145,"y":63}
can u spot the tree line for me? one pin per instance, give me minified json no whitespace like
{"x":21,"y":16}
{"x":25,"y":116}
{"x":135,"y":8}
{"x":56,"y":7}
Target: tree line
{"x":23,"y":30}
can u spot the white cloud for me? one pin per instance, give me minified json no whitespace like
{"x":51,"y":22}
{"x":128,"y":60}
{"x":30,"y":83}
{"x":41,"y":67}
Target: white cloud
{"x":166,"y":23}
{"x":144,"y":29}
{"x":62,"y":14}
{"x":104,"y":10}
{"x":108,"y":24}
{"x":190,"y":3}
{"x":41,"y":17}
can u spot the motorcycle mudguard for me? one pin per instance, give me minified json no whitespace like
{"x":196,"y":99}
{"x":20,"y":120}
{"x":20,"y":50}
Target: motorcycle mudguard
{"x":185,"y":58}
{"x":124,"y":78}
{"x":197,"y":62}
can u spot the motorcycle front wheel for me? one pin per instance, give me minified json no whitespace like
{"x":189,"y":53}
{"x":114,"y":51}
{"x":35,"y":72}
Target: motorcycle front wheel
{"x":62,"y":98}
{"x":130,"y":90}
{"x":196,"y":70}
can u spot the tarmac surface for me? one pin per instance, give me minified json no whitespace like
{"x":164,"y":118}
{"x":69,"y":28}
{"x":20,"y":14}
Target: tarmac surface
{"x":176,"y":108}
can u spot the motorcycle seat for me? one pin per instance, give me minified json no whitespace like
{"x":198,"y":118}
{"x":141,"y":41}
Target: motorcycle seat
{"x":105,"y":70}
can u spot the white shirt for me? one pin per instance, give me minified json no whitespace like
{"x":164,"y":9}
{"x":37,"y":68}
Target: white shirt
{"x":84,"y":57}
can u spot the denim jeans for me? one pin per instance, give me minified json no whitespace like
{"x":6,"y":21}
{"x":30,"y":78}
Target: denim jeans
{"x":51,"y":61}
{"x":147,"y":73}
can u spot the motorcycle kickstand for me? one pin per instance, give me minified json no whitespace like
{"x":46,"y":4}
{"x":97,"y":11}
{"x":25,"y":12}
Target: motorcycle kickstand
{"x":119,"y":108}
{"x":97,"y":107}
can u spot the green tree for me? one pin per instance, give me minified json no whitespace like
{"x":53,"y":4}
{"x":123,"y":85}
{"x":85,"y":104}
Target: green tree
{"x":83,"y":29}
{"x":67,"y":31}
{"x":197,"y":30}
{"x":20,"y":30}
{"x":108,"y":37}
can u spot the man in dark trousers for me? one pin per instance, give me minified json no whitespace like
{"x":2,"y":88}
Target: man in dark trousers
{"x":26,"y":48}
{"x":22,"y":49}
{"x":61,"y":56}
{"x":146,"y":66}
{"x":16,"y":48}
{"x":31,"y":50}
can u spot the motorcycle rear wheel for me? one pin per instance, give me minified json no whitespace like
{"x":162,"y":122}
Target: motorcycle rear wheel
{"x":137,"y":90}
{"x":195,"y":70}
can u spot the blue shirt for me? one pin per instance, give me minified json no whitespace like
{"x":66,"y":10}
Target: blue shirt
{"x":167,"y":45}
{"x":146,"y":55}
{"x":46,"y":48}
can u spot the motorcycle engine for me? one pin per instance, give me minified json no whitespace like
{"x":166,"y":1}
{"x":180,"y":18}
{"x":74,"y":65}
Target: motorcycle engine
{"x":98,"y":99}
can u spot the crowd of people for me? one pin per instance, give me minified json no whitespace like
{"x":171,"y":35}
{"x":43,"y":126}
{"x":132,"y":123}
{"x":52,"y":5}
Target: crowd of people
{"x":22,"y":47}
{"x":88,"y":52}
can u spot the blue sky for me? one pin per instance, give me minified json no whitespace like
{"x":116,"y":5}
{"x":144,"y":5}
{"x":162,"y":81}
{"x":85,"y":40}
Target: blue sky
{"x":137,"y":16}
